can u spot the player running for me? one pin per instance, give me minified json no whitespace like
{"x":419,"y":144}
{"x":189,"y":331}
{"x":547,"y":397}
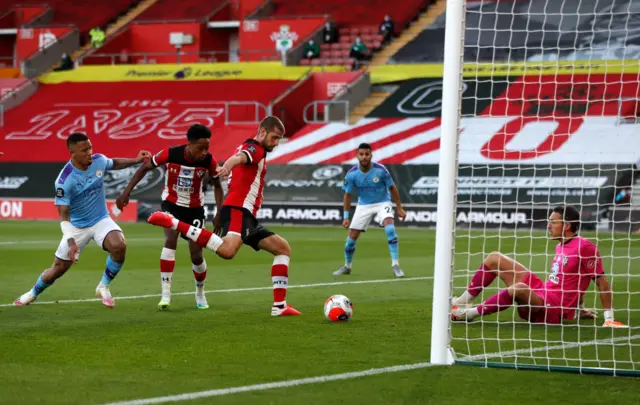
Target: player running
{"x":246,"y":170}
{"x":576,"y":263}
{"x":183,"y":197}
{"x":375,"y":188}
{"x":81,"y":203}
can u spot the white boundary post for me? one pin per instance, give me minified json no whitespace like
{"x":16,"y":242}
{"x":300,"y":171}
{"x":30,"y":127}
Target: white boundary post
{"x":447,"y":189}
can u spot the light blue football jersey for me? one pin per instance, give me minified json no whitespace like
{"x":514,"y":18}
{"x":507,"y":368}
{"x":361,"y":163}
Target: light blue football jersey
{"x":372,"y":187}
{"x":83,"y":191}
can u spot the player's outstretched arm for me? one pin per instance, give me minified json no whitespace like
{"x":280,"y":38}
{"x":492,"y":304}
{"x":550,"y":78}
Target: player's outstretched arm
{"x":395,"y":194}
{"x":123,"y":198}
{"x":67,"y":231}
{"x":123,"y":163}
{"x":606,"y":297}
{"x":238,"y":159}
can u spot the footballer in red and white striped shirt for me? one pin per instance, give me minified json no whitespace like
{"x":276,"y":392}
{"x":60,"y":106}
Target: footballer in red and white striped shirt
{"x":186,"y":168}
{"x":246,"y":170}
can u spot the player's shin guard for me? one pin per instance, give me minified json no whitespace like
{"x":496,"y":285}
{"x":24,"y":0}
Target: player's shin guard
{"x":167,"y":265}
{"x":40,"y":286}
{"x":111,"y":271}
{"x":349,"y":250}
{"x":280,"y":279}
{"x":392,"y":241}
{"x":202,"y":237}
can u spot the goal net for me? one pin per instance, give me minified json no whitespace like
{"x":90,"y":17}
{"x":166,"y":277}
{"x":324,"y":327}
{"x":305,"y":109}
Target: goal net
{"x":546,"y":117}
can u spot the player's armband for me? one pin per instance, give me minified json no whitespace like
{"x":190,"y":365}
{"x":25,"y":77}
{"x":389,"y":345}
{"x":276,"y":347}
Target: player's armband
{"x":346,"y":215}
{"x":67,"y":230}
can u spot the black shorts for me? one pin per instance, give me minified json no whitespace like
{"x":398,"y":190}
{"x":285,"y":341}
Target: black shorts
{"x":242,"y":222}
{"x":192,"y":216}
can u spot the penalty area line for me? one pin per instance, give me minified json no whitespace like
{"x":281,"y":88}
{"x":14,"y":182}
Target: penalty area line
{"x":234,"y":290}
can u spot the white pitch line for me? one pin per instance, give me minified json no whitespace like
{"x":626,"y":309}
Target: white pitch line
{"x":268,"y":386}
{"x":346,"y":376}
{"x":232,"y":290}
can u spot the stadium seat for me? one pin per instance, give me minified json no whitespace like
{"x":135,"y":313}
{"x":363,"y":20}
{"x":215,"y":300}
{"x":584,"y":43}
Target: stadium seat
{"x":354,"y":14}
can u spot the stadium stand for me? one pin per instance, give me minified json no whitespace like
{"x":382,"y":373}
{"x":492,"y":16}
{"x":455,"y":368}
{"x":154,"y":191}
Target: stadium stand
{"x":168,"y":10}
{"x":139,"y":114}
{"x":555,"y":38}
{"x":84,"y":14}
{"x":353,"y":18}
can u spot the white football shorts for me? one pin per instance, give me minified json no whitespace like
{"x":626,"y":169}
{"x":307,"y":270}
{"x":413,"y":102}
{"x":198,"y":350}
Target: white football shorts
{"x":82,"y":236}
{"x":365,"y":213}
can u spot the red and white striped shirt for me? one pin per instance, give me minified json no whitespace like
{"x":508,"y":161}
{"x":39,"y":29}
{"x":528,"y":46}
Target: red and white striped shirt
{"x":184,"y":178}
{"x":246,"y":182}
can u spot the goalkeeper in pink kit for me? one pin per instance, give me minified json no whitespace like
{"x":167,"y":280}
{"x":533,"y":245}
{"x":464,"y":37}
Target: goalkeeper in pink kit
{"x":577,"y":262}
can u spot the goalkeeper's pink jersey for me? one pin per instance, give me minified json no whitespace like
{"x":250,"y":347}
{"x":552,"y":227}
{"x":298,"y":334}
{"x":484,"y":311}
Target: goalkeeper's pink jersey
{"x":576,"y":263}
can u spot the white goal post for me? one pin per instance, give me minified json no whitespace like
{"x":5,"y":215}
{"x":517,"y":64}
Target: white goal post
{"x":592,"y":174}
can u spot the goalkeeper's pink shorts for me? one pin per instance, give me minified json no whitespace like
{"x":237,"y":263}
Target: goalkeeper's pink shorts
{"x":551,"y":312}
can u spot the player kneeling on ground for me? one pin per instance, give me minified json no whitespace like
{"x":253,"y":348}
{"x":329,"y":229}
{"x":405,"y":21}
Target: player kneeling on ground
{"x":576,"y":263}
{"x":80,"y":199}
{"x":183,"y":197}
{"x":246,"y":170}
{"x":375,"y":188}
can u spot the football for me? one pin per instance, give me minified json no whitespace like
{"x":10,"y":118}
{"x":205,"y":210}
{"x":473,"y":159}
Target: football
{"x":338,"y":308}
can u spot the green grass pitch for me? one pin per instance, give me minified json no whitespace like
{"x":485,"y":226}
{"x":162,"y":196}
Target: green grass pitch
{"x":84,"y":353}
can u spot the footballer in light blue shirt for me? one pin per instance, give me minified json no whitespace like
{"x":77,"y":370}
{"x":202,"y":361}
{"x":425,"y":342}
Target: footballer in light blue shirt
{"x":82,"y":206}
{"x":375,"y":187}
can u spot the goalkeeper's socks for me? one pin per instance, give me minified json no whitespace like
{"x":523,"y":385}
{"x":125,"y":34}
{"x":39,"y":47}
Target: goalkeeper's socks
{"x":392,"y":241}
{"x":349,"y":250}
{"x":202,"y":237}
{"x":111,"y":271}
{"x":40,"y":286}
{"x":483,"y":278}
{"x":496,"y":303}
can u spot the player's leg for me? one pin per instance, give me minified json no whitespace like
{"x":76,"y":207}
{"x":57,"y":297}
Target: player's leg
{"x":45,"y":280}
{"x":349,"y":251}
{"x":385,"y":217}
{"x":494,"y":265}
{"x":199,"y":266}
{"x":167,"y":266}
{"x":361,"y":219}
{"x":225,"y":247}
{"x":518,"y":292}
{"x":61,"y":264}
{"x":109,"y":235}
{"x":262,"y":239}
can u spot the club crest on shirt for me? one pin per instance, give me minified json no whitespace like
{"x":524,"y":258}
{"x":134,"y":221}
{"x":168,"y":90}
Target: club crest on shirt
{"x":98,"y":173}
{"x":565,"y":260}
{"x":375,"y":179}
{"x":200,"y":173}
